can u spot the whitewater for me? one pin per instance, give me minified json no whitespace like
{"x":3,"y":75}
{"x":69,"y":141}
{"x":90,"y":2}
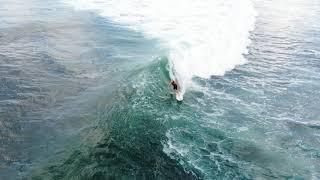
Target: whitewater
{"x":203,"y":37}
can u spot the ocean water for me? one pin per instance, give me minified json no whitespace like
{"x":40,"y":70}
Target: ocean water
{"x":84,"y":89}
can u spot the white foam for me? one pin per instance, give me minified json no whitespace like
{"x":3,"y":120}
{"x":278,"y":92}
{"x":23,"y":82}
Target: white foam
{"x":204,"y":37}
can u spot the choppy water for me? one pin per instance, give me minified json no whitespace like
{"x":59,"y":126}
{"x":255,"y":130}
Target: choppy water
{"x":84,"y":94}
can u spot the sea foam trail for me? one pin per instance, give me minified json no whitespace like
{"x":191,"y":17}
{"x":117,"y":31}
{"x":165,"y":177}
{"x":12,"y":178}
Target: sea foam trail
{"x":204,"y":37}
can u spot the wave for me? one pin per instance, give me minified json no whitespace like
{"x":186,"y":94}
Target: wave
{"x":203,"y":37}
{"x":127,"y":136}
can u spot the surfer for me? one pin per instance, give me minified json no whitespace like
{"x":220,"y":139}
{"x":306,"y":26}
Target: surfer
{"x":176,"y":88}
{"x":174,"y":85}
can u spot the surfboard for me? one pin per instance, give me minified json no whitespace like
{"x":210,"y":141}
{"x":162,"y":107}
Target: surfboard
{"x":179,"y":96}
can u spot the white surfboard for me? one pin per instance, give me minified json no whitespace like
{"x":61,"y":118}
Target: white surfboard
{"x":179,"y":96}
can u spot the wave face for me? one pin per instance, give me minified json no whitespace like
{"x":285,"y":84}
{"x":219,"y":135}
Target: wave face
{"x":203,"y":37}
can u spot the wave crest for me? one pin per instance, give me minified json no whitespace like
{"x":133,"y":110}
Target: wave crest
{"x":204,"y":37}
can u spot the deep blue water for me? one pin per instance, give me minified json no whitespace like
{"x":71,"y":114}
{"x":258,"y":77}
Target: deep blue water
{"x":82,"y":97}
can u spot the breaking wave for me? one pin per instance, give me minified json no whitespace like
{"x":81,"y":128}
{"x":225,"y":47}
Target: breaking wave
{"x":203,"y":37}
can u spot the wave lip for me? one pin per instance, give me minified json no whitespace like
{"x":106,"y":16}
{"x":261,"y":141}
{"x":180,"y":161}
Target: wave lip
{"x":204,"y":37}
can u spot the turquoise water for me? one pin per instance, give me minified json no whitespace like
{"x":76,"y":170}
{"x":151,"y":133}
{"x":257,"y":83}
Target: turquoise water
{"x":85,"y":97}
